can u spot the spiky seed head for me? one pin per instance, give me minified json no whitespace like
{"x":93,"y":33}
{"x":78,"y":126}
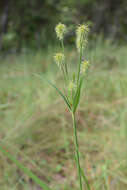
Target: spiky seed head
{"x":61,"y":30}
{"x":81,"y":33}
{"x":82,"y":29}
{"x":59,"y":59}
{"x":84,"y":66}
{"x":71,"y":86}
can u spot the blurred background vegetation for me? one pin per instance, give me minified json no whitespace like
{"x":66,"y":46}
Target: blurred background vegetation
{"x":30,"y":23}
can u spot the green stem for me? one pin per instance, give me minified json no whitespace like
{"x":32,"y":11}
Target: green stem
{"x":66,"y":69}
{"x":79,"y":65}
{"x":64,"y":74}
{"x":77,"y":150}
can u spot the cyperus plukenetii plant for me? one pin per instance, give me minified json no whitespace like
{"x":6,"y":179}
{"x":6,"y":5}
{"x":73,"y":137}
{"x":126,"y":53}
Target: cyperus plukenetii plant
{"x":73,"y":82}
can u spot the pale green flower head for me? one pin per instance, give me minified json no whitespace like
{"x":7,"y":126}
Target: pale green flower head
{"x":71,"y":86}
{"x":82,"y":29}
{"x":84,"y":66}
{"x":61,"y":30}
{"x":81,"y":39}
{"x":59,"y":59}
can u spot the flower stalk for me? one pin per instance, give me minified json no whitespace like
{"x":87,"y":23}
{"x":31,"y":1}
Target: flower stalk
{"x":66,"y":69}
{"x":77,"y":150}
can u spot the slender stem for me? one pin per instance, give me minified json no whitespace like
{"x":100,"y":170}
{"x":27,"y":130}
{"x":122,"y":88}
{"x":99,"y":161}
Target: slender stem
{"x":66,"y":69}
{"x":77,"y":150}
{"x":64,"y":74}
{"x":79,"y":65}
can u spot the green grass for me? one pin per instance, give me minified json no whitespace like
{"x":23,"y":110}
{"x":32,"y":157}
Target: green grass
{"x":36,"y":130}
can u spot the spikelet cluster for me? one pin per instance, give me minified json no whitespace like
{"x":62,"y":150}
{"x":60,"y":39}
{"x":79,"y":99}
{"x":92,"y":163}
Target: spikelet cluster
{"x":84,"y":66}
{"x":81,"y":39}
{"x":59,"y":59}
{"x":71,"y":86}
{"x":60,"y":31}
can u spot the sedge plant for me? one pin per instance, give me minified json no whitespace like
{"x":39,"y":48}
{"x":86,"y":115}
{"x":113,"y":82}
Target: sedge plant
{"x":73,"y":83}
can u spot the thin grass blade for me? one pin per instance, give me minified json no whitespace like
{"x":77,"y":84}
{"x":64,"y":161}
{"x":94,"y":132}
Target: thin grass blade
{"x":77,"y":96}
{"x":61,"y":94}
{"x":26,"y":170}
{"x":85,"y":179}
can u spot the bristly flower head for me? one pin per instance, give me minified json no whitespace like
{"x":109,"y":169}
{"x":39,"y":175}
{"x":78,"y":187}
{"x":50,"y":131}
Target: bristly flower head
{"x":81,"y":32}
{"x":71,"y":86}
{"x":60,"y":31}
{"x":84,"y":66}
{"x":59,"y":59}
{"x":82,"y":29}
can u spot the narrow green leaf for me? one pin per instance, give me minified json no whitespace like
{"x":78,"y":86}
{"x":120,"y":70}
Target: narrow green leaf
{"x":61,"y":94}
{"x":77,"y":96}
{"x":26,"y":170}
{"x":85,"y":179}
